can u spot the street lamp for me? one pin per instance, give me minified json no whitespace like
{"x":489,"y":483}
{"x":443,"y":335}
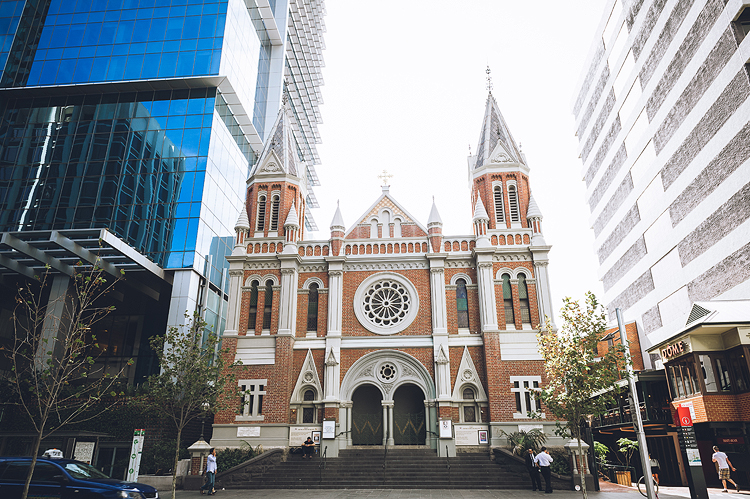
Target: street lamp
{"x":205,"y":406}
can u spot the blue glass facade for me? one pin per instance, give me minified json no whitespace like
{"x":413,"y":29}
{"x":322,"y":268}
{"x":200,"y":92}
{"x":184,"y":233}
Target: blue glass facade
{"x":107,"y":40}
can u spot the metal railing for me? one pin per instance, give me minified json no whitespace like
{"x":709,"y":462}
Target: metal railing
{"x":322,"y":464}
{"x":448,"y":464}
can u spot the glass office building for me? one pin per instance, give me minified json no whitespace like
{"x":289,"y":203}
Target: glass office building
{"x":142,"y":118}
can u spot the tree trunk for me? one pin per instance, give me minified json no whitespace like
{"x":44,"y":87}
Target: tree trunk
{"x":580,"y":465}
{"x":176,"y":460}
{"x":34,"y":453}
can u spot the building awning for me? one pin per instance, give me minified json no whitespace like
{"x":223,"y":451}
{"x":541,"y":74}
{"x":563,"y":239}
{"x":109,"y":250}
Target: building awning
{"x":30,"y":253}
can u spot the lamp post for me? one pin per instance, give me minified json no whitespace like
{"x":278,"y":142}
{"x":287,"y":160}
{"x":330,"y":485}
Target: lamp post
{"x":205,"y":406}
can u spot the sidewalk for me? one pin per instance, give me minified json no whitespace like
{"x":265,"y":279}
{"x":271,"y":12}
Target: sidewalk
{"x":613,"y":491}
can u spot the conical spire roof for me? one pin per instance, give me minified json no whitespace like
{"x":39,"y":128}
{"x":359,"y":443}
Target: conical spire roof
{"x":533,"y":211}
{"x":242,"y":220}
{"x":434,"y":217}
{"x":283,"y":143}
{"x":479,"y":212}
{"x":495,"y":133}
{"x":338,"y":220}
{"x":292,"y":218}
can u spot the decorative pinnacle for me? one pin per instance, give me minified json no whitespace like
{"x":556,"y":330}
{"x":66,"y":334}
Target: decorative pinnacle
{"x":489,"y":79}
{"x":384,"y":177}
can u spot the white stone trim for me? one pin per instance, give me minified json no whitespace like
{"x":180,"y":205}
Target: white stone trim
{"x":408,"y":371}
{"x":315,"y":280}
{"x":463,"y":276}
{"x":411,"y":312}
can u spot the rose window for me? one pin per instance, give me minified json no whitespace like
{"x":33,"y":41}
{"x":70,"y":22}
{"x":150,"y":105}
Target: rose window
{"x":387,"y":372}
{"x":386,"y":303}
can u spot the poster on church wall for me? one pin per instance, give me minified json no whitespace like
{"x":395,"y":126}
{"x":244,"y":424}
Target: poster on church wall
{"x":298,"y":434}
{"x":329,"y":429}
{"x":446,"y":431}
{"x":468,"y":434}
{"x":248,"y":431}
{"x":84,"y":452}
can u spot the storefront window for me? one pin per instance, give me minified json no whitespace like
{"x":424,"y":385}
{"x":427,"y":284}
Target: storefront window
{"x":738,"y":365}
{"x":722,"y":370}
{"x":709,"y":379}
{"x":682,"y":378}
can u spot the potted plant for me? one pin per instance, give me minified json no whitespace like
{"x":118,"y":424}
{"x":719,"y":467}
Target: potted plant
{"x":627,"y":448}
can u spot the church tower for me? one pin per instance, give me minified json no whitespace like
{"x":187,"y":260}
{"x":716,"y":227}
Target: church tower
{"x":388,"y":331}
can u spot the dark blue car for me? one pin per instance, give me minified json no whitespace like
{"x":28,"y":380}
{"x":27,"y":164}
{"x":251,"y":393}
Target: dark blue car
{"x":66,"y":479}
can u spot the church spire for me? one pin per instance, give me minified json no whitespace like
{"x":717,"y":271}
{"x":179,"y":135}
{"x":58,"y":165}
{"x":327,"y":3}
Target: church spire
{"x":496,"y":144}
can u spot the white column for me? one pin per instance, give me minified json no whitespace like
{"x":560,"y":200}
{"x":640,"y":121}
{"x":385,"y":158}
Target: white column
{"x":437,"y":294}
{"x":235,"y":299}
{"x":348,"y":406}
{"x":335,"y":294}
{"x":543,"y":294}
{"x":442,"y":373}
{"x":55,"y":320}
{"x":486,"y":288}
{"x":332,"y":370}
{"x":288,"y":295}
{"x":385,"y":423}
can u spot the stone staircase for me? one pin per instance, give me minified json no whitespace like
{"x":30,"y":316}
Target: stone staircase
{"x":404,"y":469}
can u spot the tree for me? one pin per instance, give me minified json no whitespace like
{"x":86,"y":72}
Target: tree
{"x":192,"y":377}
{"x":54,"y":375}
{"x":580,"y":382}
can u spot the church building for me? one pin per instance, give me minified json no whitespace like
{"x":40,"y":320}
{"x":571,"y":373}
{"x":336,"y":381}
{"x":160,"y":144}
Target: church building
{"x":389,"y":332}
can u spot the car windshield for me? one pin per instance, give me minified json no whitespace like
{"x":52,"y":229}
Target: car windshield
{"x":82,"y":471}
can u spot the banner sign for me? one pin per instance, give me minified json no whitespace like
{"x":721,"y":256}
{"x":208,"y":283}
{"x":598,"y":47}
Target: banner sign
{"x":136,"y":451}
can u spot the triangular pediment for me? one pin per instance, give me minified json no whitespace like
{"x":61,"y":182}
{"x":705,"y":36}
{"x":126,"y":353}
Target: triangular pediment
{"x":282,"y":145}
{"x":308,"y":378}
{"x":496,"y":143}
{"x":387,"y":203}
{"x":466,"y":377}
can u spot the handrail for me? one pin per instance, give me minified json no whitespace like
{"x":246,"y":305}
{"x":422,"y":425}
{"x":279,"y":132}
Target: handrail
{"x":448,"y":464}
{"x":322,"y":464}
{"x":385,"y":454}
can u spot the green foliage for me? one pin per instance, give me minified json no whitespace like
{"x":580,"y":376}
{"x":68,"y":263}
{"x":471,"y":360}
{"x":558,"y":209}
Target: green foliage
{"x":194,"y":377}
{"x":560,"y":463}
{"x":580,"y":382}
{"x":55,"y":379}
{"x":520,"y":441}
{"x":627,"y":448}
{"x":600,"y":452}
{"x":158,"y":459}
{"x":229,"y":458}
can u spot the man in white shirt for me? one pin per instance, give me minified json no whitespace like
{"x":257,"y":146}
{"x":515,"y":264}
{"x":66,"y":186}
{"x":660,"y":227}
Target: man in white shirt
{"x":724,"y":463}
{"x":543,"y":460}
{"x":210,"y":473}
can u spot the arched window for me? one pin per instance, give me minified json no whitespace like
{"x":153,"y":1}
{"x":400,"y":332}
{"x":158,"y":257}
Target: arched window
{"x":308,"y":413}
{"x":499,"y":211}
{"x":268,"y":305}
{"x":374,"y":228}
{"x":312,"y":308}
{"x":523,"y":297}
{"x":274,"y":214}
{"x":470,"y":410}
{"x":253,"y":306}
{"x":462,"y":305}
{"x":513,"y":202}
{"x":396,"y":227}
{"x":260,"y":222}
{"x":510,"y":317}
{"x":386,"y":221}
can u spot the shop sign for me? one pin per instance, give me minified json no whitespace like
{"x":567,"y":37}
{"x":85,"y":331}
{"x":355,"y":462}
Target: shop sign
{"x":731,"y":440}
{"x":674,"y":350}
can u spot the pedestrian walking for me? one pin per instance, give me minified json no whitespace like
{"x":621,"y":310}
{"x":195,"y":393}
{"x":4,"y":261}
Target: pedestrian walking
{"x":210,"y":474}
{"x":534,"y":472}
{"x":724,"y":464}
{"x":544,"y":460}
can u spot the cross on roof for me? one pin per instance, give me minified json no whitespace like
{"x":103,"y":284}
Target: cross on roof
{"x":385,"y":176}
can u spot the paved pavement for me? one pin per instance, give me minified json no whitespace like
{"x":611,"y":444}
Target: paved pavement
{"x":611,"y":492}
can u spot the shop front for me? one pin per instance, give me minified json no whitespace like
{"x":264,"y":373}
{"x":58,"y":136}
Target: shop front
{"x":707,"y":369}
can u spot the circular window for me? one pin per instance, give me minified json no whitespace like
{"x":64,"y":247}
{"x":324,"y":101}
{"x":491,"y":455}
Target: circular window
{"x":386,"y":303}
{"x":387,"y":372}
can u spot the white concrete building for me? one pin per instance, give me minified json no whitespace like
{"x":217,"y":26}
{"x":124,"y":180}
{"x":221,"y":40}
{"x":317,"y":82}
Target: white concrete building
{"x":663,"y":121}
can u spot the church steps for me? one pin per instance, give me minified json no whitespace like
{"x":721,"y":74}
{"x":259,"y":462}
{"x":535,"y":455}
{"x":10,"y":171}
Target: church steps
{"x":405,"y":469}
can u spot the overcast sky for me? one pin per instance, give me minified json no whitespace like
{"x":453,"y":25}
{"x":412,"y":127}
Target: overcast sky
{"x":405,"y":91}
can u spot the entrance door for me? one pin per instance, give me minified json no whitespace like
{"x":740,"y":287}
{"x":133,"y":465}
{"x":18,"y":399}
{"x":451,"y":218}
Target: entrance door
{"x":409,"y":426}
{"x":367,"y":416}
